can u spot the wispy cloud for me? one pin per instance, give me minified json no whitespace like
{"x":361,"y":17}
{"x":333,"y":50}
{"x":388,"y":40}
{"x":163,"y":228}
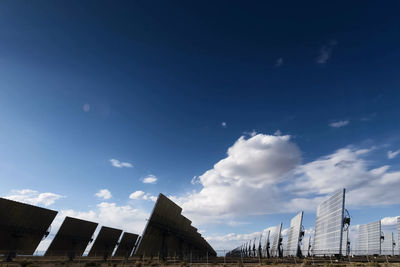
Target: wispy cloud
{"x":119,"y":164}
{"x":151,"y":179}
{"x":104,"y":194}
{"x":339,"y":124}
{"x":326,"y":52}
{"x":33,"y":197}
{"x":279,"y":62}
{"x":393,"y":154}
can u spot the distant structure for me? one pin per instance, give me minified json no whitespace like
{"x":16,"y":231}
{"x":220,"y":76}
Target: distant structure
{"x":330,"y":224}
{"x":170,"y":234}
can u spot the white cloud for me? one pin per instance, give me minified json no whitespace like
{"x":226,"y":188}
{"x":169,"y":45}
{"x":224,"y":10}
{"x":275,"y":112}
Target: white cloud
{"x":325,"y":53}
{"x":389,"y":220}
{"x":104,"y":194}
{"x":151,"y":179}
{"x":223,"y":124}
{"x":142,"y":195}
{"x":393,"y":154}
{"x":137,"y":195}
{"x":33,"y":197}
{"x":119,"y":164}
{"x":252,"y":168}
{"x":339,"y":124}
{"x":279,"y":62}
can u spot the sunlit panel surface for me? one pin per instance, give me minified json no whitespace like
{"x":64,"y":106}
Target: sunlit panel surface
{"x":329,"y":225}
{"x":369,"y":239}
{"x":292,"y":245}
{"x":275,"y":244}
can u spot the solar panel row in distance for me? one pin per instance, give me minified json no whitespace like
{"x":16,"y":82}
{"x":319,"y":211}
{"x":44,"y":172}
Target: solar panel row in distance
{"x":72,"y":238}
{"x":105,"y":242}
{"x":329,"y":225}
{"x":126,"y":245}
{"x":22,"y":226}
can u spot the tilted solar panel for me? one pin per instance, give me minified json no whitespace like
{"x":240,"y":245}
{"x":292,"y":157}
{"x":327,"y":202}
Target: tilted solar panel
{"x":169,"y":234}
{"x":126,"y":245}
{"x":22,"y":226}
{"x":72,"y":238}
{"x":329,"y":225}
{"x":369,"y":239}
{"x":292,"y":246}
{"x":276,"y":244}
{"x":105,"y":242}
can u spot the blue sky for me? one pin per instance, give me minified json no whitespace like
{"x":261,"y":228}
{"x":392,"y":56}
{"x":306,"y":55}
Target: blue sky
{"x":169,"y":86}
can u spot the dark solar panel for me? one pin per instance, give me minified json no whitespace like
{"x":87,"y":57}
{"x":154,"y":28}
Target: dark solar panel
{"x":126,"y":245}
{"x":168,"y":234}
{"x":72,"y":238}
{"x":105,"y":242}
{"x":22,"y":226}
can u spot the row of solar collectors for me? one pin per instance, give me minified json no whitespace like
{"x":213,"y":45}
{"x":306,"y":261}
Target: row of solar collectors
{"x":329,"y":237}
{"x":23,"y":226}
{"x":263,"y":250}
{"x":170,"y":234}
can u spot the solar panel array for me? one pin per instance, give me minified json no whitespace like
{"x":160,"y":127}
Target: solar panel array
{"x":126,"y":245}
{"x":105,"y":242}
{"x":22,"y":226}
{"x":329,"y":225}
{"x":72,"y":238}
{"x":277,"y":240}
{"x":292,"y":246}
{"x":170,"y":234}
{"x":369,"y":239}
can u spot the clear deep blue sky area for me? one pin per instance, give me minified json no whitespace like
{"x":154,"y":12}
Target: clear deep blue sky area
{"x":243,"y":112}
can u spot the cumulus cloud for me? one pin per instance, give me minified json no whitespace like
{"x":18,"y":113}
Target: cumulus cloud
{"x":151,"y":179}
{"x":33,"y":197}
{"x":119,"y":164}
{"x":325,"y":53}
{"x":104,"y":194}
{"x":142,"y":195}
{"x":339,"y":124}
{"x":252,"y":167}
{"x":393,"y":154}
